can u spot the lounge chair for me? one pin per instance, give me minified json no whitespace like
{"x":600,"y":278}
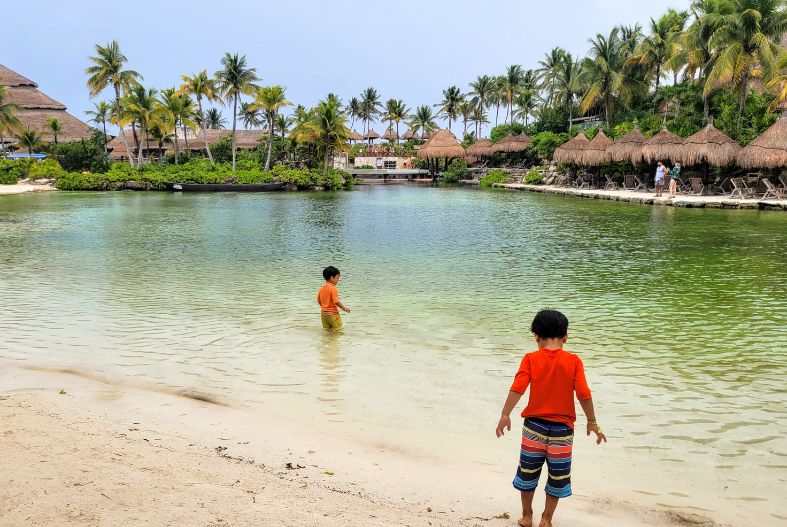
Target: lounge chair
{"x":698,"y":187}
{"x":611,"y":183}
{"x":741,"y":188}
{"x":633,"y":182}
{"x":783,"y":180}
{"x":772,"y":191}
{"x":583,"y":181}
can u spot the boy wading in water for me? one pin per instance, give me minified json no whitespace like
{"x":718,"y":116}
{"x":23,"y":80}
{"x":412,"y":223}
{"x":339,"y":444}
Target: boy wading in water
{"x":548,"y":431}
{"x":328,"y":298}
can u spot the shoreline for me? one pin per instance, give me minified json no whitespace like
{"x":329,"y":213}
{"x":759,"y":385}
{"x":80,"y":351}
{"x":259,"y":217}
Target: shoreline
{"x":79,"y":451}
{"x":22,"y":188}
{"x":646,"y":198}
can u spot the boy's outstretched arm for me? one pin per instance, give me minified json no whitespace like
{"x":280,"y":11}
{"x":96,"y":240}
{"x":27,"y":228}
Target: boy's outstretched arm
{"x":505,"y":417}
{"x":590,"y":413}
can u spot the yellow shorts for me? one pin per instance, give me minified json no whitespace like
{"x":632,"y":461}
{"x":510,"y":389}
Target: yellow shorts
{"x":331,"y":321}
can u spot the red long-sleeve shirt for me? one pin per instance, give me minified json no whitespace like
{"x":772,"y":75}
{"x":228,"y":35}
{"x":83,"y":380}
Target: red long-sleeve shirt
{"x":553,"y":377}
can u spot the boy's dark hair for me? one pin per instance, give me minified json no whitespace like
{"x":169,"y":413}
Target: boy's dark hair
{"x":329,"y":272}
{"x":550,"y":324}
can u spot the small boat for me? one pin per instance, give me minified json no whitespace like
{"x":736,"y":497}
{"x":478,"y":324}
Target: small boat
{"x":224,"y":187}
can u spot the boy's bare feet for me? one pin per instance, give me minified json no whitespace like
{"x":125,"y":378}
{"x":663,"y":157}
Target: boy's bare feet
{"x":526,"y":521}
{"x":545,"y":523}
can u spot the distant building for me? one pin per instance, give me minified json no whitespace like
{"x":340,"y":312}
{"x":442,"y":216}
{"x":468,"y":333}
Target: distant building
{"x":36,"y":108}
{"x":244,"y":140}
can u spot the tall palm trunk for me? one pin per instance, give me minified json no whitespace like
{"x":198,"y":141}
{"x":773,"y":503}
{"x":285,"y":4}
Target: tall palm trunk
{"x":742,"y":99}
{"x":397,"y":134}
{"x":104,"y":126}
{"x":202,"y":126}
{"x":185,"y":136}
{"x":122,"y":132}
{"x":327,"y":151}
{"x":234,"y":123}
{"x":270,"y":142}
{"x":177,"y":149}
{"x":497,"y":112}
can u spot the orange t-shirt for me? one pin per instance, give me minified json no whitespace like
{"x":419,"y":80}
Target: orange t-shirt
{"x":327,"y":296}
{"x":553,"y":376}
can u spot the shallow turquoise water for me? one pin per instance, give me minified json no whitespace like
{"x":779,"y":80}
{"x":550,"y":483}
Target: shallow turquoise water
{"x":680,"y":315}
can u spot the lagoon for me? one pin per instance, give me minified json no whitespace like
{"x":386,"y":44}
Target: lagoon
{"x":680,"y":316}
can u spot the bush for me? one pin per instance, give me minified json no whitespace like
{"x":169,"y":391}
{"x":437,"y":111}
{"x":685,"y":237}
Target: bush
{"x":456,"y":170}
{"x":82,"y":155}
{"x":500,"y":131}
{"x":48,"y":168}
{"x":534,"y":177}
{"x":13,"y":171}
{"x":365,"y":167}
{"x":494,"y":177}
{"x":545,"y":144}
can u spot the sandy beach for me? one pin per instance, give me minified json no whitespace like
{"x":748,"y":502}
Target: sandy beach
{"x":79,"y":451}
{"x":23,"y":187}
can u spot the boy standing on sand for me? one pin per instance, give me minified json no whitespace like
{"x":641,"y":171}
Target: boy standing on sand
{"x":328,"y":298}
{"x":548,"y":432}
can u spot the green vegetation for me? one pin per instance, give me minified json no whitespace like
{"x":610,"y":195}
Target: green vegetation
{"x":457,"y":170}
{"x":494,"y":177}
{"x":12,"y":171}
{"x":534,"y":177}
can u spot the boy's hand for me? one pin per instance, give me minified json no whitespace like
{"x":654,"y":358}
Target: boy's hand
{"x":504,"y":423}
{"x":592,"y":427}
{"x":346,"y":309}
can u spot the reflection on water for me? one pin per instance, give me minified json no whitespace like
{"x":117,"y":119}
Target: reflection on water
{"x":679,"y":315}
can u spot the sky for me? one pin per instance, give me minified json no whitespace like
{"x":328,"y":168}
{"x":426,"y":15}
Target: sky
{"x":406,"y":49}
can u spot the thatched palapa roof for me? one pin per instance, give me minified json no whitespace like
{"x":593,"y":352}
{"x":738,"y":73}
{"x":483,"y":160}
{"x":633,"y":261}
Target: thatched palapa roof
{"x":512,"y":143}
{"x":36,"y":108}
{"x":595,"y":153}
{"x":571,"y":151}
{"x":371,"y":134}
{"x":710,"y":145}
{"x":481,"y":148}
{"x":769,"y":150}
{"x":627,"y":148}
{"x":410,"y":134}
{"x":390,"y":135}
{"x":664,"y":146}
{"x":442,"y":145}
{"x":355,"y":136}
{"x":244,"y":140}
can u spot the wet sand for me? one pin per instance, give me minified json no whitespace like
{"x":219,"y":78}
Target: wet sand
{"x":80,"y":452}
{"x":21,"y":188}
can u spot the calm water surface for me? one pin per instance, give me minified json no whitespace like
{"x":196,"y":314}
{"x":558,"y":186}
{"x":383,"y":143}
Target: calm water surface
{"x":679,"y":315}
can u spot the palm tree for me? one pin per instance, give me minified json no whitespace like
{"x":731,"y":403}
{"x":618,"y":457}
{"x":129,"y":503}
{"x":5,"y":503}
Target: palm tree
{"x":498,"y":95}
{"x":107,"y":70}
{"x":353,"y":110}
{"x":395,"y":112}
{"x":466,"y":111}
{"x":525,"y":103}
{"x":567,"y":85}
{"x":214,"y":120}
{"x":654,"y":50}
{"x":370,"y":106}
{"x":250,"y":115}
{"x":235,"y":79}
{"x":479,"y":117}
{"x":141,"y":103}
{"x":8,"y":120}
{"x":201,"y":86}
{"x":325,"y":128}
{"x":423,"y":119}
{"x":548,"y":70}
{"x":172,"y":106}
{"x":449,"y":106}
{"x":778,"y":80}
{"x":29,"y":139}
{"x":512,"y":81}
{"x":283,"y":124}
{"x":604,"y":73}
{"x":270,"y":100}
{"x":481,"y":90}
{"x":99,"y":115}
{"x":55,"y":126}
{"x":746,"y":38}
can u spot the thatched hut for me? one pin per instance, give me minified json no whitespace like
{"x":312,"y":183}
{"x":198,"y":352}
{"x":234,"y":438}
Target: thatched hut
{"x":709,"y":146}
{"x":570,"y":152}
{"x":410,"y":134}
{"x":595,"y":153}
{"x":512,"y":144}
{"x":769,"y":150}
{"x":627,"y":148}
{"x":442,"y":146}
{"x":355,"y":136}
{"x":481,"y":148}
{"x":664,"y":146}
{"x":371,"y":135}
{"x":390,"y":135}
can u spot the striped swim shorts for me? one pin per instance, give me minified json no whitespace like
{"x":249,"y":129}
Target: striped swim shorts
{"x":548,"y":441}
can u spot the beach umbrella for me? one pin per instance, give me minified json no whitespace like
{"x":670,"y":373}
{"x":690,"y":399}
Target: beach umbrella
{"x":390,"y":135}
{"x":664,"y":146}
{"x":769,"y":150}
{"x":512,"y":143}
{"x":355,"y":136}
{"x":709,"y":146}
{"x":570,"y":152}
{"x":627,"y":148}
{"x":410,"y":134}
{"x":481,"y":148}
{"x":371,"y":135}
{"x":595,"y":153}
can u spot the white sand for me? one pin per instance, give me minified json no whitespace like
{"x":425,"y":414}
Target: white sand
{"x":22,"y":187}
{"x":79,"y":452}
